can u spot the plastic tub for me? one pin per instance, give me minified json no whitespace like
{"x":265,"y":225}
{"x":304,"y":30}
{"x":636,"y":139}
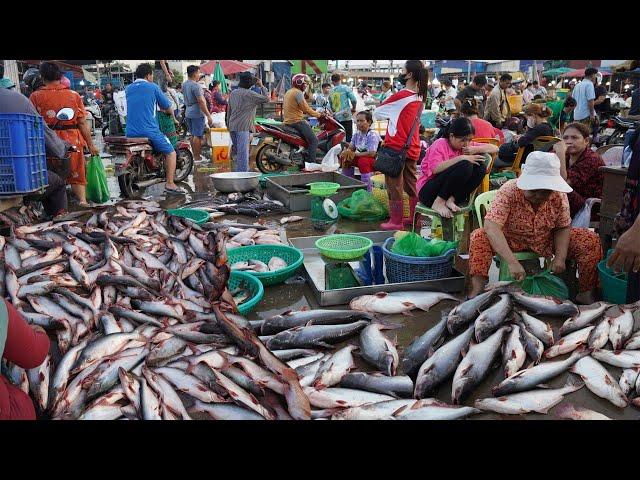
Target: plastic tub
{"x":614,"y":286}
{"x":264,"y":253}
{"x":23,"y":162}
{"x":254,"y":285}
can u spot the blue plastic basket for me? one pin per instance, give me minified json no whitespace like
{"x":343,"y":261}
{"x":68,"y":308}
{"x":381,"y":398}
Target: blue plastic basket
{"x":23,"y":160}
{"x":401,"y":268}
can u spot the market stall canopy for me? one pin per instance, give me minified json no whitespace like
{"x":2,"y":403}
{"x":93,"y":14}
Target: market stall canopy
{"x":555,"y":72}
{"x":229,"y":67}
{"x":219,"y":75}
{"x":630,"y":73}
{"x":579,"y":73}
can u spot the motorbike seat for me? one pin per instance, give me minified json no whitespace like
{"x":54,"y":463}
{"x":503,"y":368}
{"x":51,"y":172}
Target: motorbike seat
{"x":120,"y":140}
{"x":285,"y":128}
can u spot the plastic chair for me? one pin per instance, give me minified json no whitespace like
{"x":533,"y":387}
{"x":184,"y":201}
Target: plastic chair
{"x":539,"y":144}
{"x":447,"y":223}
{"x":484,"y":186}
{"x":486,"y":199}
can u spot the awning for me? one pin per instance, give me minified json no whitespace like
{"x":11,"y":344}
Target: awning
{"x":555,"y":72}
{"x":579,"y":73}
{"x":229,"y":67}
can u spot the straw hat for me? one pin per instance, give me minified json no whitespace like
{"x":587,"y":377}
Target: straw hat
{"x":542,"y":172}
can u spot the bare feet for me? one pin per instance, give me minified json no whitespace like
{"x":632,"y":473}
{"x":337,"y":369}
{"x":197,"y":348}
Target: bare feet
{"x":440,"y":206}
{"x":451,"y":205}
{"x":477,"y":285}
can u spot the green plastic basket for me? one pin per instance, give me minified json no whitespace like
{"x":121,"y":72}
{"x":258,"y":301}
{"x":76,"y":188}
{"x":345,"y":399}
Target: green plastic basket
{"x":323,"y":188}
{"x":343,"y":246}
{"x":197,"y":216}
{"x":264,"y":253}
{"x":255,"y":285}
{"x":614,"y":285}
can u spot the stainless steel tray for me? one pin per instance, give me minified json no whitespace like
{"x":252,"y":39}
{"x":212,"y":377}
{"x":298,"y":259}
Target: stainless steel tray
{"x":283,"y":188}
{"x":314,"y":272}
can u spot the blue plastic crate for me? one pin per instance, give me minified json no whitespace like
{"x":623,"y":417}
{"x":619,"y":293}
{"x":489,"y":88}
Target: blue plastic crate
{"x":428,"y":119}
{"x":23,"y":160}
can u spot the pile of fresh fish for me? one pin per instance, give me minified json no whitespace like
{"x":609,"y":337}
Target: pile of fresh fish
{"x":275,"y":264}
{"x":252,"y":204}
{"x":142,"y":323}
{"x":19,"y":216}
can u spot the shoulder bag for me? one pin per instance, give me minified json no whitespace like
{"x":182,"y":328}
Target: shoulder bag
{"x":390,"y":161}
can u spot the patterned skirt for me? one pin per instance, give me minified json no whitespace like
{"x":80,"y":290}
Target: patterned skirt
{"x":168,"y":127}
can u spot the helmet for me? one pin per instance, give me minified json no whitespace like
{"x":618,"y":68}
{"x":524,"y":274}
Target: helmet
{"x":65,"y":81}
{"x":299,"y":80}
{"x":6,"y":83}
{"x":33,"y":79}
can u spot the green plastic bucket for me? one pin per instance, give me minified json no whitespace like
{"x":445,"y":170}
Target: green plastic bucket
{"x":614,"y":285}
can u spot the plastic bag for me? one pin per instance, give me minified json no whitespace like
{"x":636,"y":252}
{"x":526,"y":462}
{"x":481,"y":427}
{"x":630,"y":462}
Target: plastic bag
{"x":582,"y":219}
{"x":361,"y":205}
{"x":413,"y":245}
{"x":545,"y":283}
{"x":97,"y":188}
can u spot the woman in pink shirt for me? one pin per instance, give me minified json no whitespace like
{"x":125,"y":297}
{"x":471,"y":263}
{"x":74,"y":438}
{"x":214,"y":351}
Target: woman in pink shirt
{"x":484,"y":129}
{"x":452,"y":168}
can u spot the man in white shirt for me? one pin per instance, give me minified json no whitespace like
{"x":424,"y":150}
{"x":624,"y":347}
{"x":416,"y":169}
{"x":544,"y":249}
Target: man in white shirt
{"x":584,"y":94}
{"x":538,"y":90}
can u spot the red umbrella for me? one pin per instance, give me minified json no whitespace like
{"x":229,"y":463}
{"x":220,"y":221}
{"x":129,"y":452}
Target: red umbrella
{"x":579,"y":73}
{"x":229,"y":67}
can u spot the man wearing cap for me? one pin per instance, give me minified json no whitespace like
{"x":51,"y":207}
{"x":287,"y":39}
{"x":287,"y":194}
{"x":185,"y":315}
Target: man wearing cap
{"x":532,"y":214}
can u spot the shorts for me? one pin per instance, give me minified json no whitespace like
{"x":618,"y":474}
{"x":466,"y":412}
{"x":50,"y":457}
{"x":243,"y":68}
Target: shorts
{"x":160,"y":142}
{"x":196,"y":126}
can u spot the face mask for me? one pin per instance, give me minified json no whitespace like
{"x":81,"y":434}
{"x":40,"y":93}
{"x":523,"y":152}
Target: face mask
{"x":403,"y":79}
{"x":531,"y":122}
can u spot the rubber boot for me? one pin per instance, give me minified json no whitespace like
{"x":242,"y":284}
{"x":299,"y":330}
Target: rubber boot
{"x":366,"y":179}
{"x":408,"y":222}
{"x":349,"y":172}
{"x":364,"y":272}
{"x":378,"y":265}
{"x":395,"y":216}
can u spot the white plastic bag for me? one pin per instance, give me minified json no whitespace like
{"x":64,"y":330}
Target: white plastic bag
{"x":582,"y":219}
{"x":330,"y":162}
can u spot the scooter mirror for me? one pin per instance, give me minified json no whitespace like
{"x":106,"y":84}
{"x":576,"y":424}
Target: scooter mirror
{"x":66,"y":114}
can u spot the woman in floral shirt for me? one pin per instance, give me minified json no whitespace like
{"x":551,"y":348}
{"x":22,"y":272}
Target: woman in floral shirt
{"x":581,"y":169}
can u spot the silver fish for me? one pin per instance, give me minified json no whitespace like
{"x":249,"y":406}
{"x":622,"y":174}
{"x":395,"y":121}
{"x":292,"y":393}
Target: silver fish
{"x":532,"y":344}
{"x":475,"y":366}
{"x":619,"y":358}
{"x":288,"y":320}
{"x":628,"y":380}
{"x":534,"y":376}
{"x":621,"y":328}
{"x":398,"y":302}
{"x":397,"y":386}
{"x":239,"y":395}
{"x":540,"y":329}
{"x":372,"y":411}
{"x":102,"y":410}
{"x":149,"y":403}
{"x":513,"y":352}
{"x":586,"y":316}
{"x":569,"y":343}
{"x":335,"y":368}
{"x":105,"y":347}
{"x":432,"y":409}
{"x":545,"y":305}
{"x":540,"y":401}
{"x":225,"y":411}
{"x":378,"y":350}
{"x":442,"y":364}
{"x":420,"y":349}
{"x":62,"y":374}
{"x":276,"y":263}
{"x":492,"y":318}
{"x":599,"y":336}
{"x":108,"y":376}
{"x":39,"y":382}
{"x":599,"y":381}
{"x":342,"y":397}
{"x":572,"y":412}
{"x":169,"y":399}
{"x":634,"y":342}
{"x":468,"y":311}
{"x":188,"y":384}
{"x":315,"y":335}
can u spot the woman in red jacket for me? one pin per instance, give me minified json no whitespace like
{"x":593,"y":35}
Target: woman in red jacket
{"x":402,"y":110}
{"x":26,"y":347}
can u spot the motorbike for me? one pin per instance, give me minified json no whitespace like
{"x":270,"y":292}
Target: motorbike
{"x":283,"y":146}
{"x":92,"y":107}
{"x":615,"y":129}
{"x":139,"y":167}
{"x":182,"y":129}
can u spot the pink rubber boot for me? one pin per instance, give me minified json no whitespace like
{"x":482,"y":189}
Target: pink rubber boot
{"x":395,"y":213}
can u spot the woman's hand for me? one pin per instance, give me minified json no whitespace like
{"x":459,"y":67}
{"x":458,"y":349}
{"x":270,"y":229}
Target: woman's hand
{"x":558,"y":265}
{"x":94,"y":150}
{"x":475,"y":159}
{"x":626,"y":256}
{"x":560,"y":149}
{"x":517,"y":271}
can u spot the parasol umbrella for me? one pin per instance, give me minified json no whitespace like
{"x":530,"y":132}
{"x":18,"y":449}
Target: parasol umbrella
{"x":229,"y":67}
{"x":219,"y":75}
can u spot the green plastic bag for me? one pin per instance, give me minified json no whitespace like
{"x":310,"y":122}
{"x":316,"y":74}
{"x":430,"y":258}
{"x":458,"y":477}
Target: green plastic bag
{"x":545,"y":283}
{"x":413,"y":245}
{"x":97,"y":188}
{"x":361,"y":205}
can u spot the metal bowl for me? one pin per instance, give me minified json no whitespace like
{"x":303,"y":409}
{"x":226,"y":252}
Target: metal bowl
{"x":230,"y":182}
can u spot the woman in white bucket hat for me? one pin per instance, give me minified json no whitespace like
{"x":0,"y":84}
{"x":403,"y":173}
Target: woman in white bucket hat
{"x":532,"y":214}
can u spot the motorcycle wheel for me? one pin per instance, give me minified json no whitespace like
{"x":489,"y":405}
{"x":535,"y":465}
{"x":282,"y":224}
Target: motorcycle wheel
{"x":616,"y":138}
{"x":263,"y":163}
{"x":135,"y":171}
{"x":184,"y":164}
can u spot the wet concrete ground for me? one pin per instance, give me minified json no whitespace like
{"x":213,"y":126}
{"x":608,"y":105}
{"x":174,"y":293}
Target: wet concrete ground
{"x":280,"y":298}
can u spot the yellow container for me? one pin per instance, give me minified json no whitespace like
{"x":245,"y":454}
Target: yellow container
{"x":515,"y":104}
{"x":379,"y":191}
{"x":219,"y":137}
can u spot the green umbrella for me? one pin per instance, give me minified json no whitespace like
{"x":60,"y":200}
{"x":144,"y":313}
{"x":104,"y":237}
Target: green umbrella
{"x":218,"y":74}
